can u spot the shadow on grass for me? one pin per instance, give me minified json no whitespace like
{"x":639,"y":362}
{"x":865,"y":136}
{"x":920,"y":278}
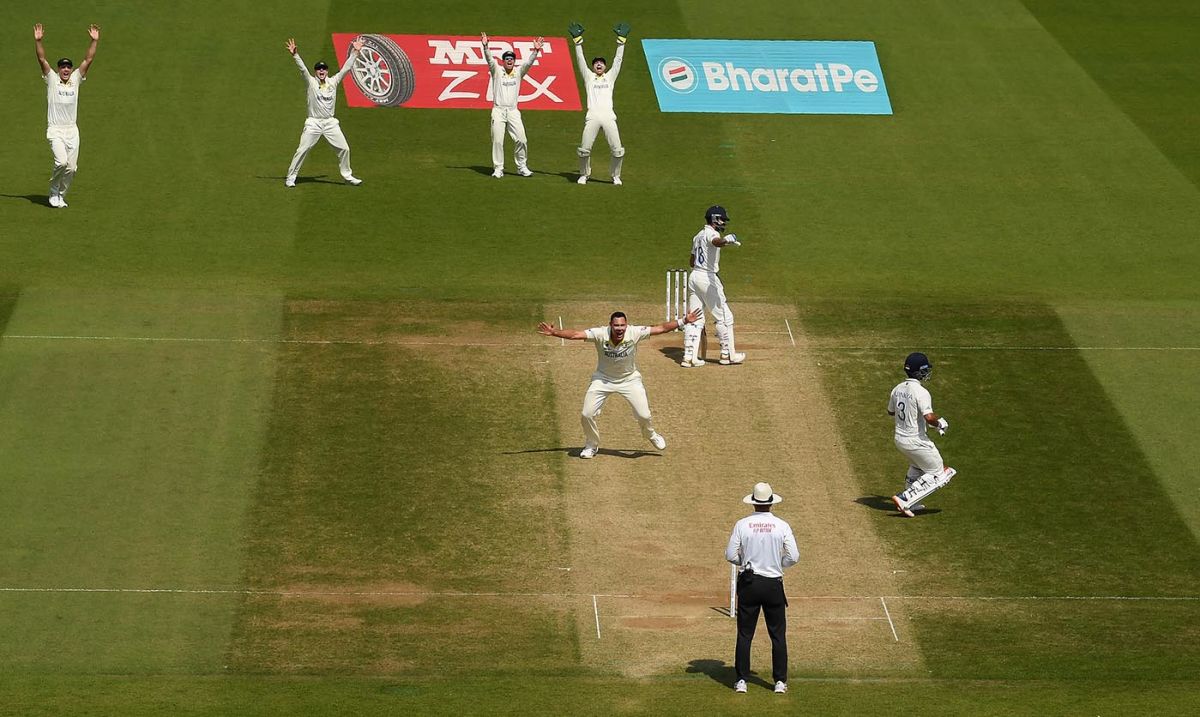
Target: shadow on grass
{"x":39,"y":199}
{"x":574,"y":452}
{"x":675,"y":353}
{"x":722,"y":673}
{"x":884,"y":503}
{"x":313,"y":179}
{"x":478,"y":169}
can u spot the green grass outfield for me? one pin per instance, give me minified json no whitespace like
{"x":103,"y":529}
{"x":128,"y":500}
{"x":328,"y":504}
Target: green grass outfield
{"x":1028,"y":216}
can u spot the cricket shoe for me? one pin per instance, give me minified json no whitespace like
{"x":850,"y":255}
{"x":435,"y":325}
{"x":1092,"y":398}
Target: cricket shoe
{"x":947,"y":471}
{"x":289,"y":182}
{"x":582,"y":179}
{"x":732,"y":359}
{"x":353,"y":181}
{"x":659,"y":442}
{"x":740,"y":687}
{"x":498,"y":174}
{"x":56,"y":201}
{"x":780,"y":688}
{"x":588,"y":452}
{"x":692,"y":363}
{"x":525,"y":172}
{"x":617,"y":181}
{"x":900,"y":507}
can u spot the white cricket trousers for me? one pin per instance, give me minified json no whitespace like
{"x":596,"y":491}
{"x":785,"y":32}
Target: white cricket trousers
{"x":923,"y":457}
{"x":314,"y":130}
{"x":591,"y":127}
{"x":508,"y":120}
{"x":593,"y":402}
{"x":705,"y":292}
{"x":64,"y":145}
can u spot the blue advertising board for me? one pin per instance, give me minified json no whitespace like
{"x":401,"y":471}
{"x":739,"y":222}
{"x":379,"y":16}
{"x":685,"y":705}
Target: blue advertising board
{"x":767,"y":76}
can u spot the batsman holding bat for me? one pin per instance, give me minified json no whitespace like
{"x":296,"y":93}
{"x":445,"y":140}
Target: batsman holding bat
{"x":912,"y":407}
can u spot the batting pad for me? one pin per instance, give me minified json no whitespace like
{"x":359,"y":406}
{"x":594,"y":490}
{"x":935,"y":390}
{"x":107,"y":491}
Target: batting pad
{"x":924,"y":486}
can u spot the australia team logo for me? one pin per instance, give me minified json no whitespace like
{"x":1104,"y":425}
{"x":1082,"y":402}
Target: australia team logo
{"x":678,"y":75}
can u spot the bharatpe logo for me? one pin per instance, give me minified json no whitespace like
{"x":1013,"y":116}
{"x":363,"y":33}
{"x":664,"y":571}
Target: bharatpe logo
{"x":767,"y":76}
{"x":447,"y":71}
{"x":679,"y":75}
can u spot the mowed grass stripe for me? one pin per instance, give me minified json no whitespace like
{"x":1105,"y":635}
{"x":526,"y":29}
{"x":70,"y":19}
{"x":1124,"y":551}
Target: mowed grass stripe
{"x":399,"y":469}
{"x":127,"y":466}
{"x":1053,"y":497}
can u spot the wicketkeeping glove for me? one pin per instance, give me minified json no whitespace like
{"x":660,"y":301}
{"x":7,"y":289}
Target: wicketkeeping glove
{"x":576,"y":31}
{"x":622,"y":30}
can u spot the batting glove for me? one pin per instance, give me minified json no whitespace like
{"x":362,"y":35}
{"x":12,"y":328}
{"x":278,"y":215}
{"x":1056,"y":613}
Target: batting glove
{"x":576,"y":31}
{"x":622,"y":30}
{"x":732,"y":240}
{"x":942,"y":425}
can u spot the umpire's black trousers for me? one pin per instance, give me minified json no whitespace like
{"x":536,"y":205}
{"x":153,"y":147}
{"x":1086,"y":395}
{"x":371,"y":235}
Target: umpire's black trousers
{"x":754,"y":593}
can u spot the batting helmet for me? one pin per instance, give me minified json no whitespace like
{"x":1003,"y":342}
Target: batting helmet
{"x":917,"y":366}
{"x":715,"y":214}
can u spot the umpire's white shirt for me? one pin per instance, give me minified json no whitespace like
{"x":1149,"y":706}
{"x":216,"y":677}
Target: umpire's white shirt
{"x":910,"y":401}
{"x":763,"y":543}
{"x":62,"y":99}
{"x":707,"y":257}
{"x":322,"y":96}
{"x":617,"y":362}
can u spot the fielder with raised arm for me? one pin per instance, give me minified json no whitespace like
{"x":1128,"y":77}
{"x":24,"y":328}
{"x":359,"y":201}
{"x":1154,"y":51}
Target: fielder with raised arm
{"x":506,"y":93}
{"x":599,"y":79}
{"x":616,"y":372}
{"x":322,"y":98}
{"x":706,"y":293}
{"x":912,"y":407}
{"x":62,"y":109}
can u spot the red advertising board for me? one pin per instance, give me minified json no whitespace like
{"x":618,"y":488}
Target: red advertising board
{"x":448,"y":71}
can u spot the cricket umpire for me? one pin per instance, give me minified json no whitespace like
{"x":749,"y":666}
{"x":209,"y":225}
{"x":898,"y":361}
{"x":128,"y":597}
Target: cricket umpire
{"x":761,"y":546}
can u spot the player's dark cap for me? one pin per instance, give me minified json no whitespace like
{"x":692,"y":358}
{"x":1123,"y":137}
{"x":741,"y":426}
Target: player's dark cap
{"x":66,"y":62}
{"x":508,"y":54}
{"x":321,"y":66}
{"x":917,"y":365}
{"x":599,"y":59}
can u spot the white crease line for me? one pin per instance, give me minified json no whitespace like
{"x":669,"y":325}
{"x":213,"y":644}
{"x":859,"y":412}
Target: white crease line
{"x":789,"y":328}
{"x":596,"y":611}
{"x":889,"y":619}
{"x":627,"y":596}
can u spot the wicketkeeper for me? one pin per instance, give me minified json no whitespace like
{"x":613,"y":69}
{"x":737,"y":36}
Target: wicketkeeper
{"x":599,"y":81}
{"x":912,"y":407}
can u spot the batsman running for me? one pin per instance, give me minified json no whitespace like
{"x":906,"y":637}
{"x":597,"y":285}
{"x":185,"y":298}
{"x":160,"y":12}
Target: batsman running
{"x":599,"y":79}
{"x":322,"y":98}
{"x":912,"y":407}
{"x":706,"y":293}
{"x":616,"y":372}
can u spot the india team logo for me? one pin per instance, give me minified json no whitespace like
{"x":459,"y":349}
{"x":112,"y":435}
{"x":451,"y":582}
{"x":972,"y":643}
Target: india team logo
{"x":679,"y":75}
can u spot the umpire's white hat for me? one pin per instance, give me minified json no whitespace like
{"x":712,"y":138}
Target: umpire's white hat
{"x":762,"y":495}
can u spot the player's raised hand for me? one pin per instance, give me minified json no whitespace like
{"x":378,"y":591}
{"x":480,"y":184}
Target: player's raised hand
{"x":38,"y":33}
{"x":537,"y":44}
{"x":358,"y":44}
{"x":545,"y":329}
{"x":483,"y":38}
{"x":291,"y":45}
{"x":94,"y":31}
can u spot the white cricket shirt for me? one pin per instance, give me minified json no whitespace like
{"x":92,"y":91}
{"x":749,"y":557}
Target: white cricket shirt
{"x":764,"y":543}
{"x":62,"y":98}
{"x":506,"y":86}
{"x":617,"y":362}
{"x":707,"y":256}
{"x":322,"y":96}
{"x":910,"y":401}
{"x":600,"y":87}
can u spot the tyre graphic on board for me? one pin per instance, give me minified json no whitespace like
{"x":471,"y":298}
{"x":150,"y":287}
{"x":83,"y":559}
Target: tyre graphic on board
{"x":383,"y":72}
